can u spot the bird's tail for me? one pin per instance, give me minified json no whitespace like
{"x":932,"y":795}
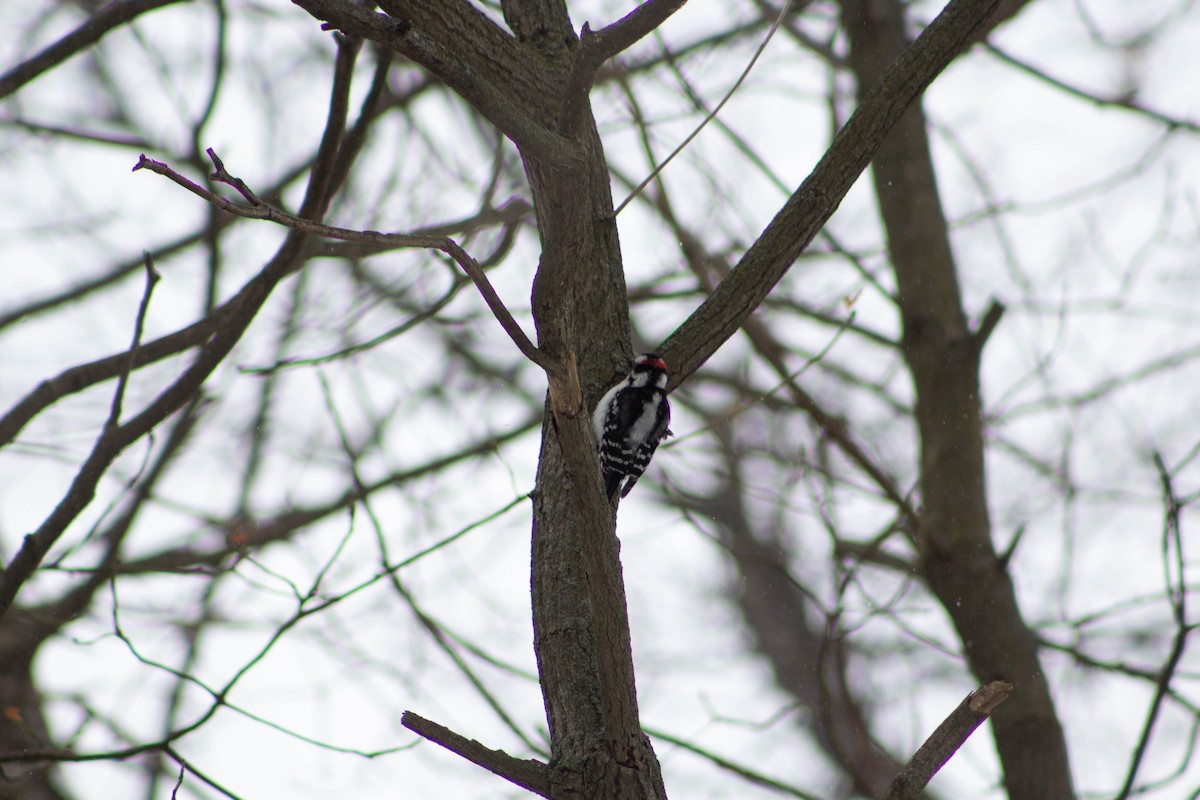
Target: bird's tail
{"x":612,"y":485}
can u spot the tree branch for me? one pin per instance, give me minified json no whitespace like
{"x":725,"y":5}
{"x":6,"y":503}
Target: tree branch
{"x":76,"y":379}
{"x":1177,"y":591}
{"x":1128,"y":103}
{"x":152,"y":276}
{"x":815,"y":201}
{"x":114,"y":438}
{"x":991,"y":319}
{"x":109,"y":17}
{"x":752,"y":777}
{"x":500,"y":109}
{"x":627,"y":31}
{"x":712,"y":114}
{"x":529,"y":773}
{"x":257,"y":209}
{"x":597,"y":47}
{"x":792,"y":631}
{"x":956,"y":555}
{"x":945,"y":741}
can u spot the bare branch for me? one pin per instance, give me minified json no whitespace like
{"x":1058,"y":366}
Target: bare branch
{"x":114,"y":275}
{"x":1177,"y":592}
{"x":114,"y":439}
{"x":811,"y":205}
{"x":627,"y":31}
{"x":76,"y":379}
{"x":1127,"y":103}
{"x":991,"y":319}
{"x":837,"y":429}
{"x":221,"y":175}
{"x":152,"y":276}
{"x":533,"y":139}
{"x":712,"y":114}
{"x":751,"y":776}
{"x":957,"y":557}
{"x":260,"y":210}
{"x":808,"y":658}
{"x":185,"y":765}
{"x":111,"y":442}
{"x":247,"y":534}
{"x":945,"y":741}
{"x":527,"y":773}
{"x":109,"y":17}
{"x":597,"y":47}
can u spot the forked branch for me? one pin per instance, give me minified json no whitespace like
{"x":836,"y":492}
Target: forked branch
{"x":401,"y":35}
{"x":596,"y":47}
{"x":255,"y":208}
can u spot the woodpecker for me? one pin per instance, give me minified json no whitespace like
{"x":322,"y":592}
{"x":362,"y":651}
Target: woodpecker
{"x":629,"y":421}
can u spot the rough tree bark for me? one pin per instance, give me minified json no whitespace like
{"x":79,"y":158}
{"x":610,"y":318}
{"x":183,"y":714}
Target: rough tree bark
{"x":957,"y":558}
{"x":581,"y":313}
{"x":580,"y":309}
{"x":531,"y":82}
{"x":581,"y":626}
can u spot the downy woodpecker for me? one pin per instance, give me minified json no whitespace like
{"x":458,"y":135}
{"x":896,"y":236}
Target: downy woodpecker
{"x":629,"y":421}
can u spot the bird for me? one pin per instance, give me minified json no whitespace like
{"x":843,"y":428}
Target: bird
{"x":629,"y":421}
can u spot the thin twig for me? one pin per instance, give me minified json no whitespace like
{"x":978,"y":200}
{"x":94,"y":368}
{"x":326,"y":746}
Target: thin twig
{"x":184,"y":764}
{"x":110,"y":17}
{"x":1177,"y":591}
{"x":220,"y":175}
{"x":716,"y":109}
{"x":178,"y":782}
{"x":260,"y":210}
{"x":428,"y":623}
{"x":749,"y":775}
{"x":152,"y":276}
{"x":1124,"y":102}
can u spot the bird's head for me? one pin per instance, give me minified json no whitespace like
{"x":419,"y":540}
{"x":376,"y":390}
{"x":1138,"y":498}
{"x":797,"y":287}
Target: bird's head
{"x":649,"y":361}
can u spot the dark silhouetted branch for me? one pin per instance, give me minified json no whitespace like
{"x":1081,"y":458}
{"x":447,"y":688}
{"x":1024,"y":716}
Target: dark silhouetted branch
{"x":527,"y":773}
{"x":946,"y":740}
{"x":115,"y":438}
{"x":398,"y":34}
{"x":257,"y":209}
{"x":1126,"y":102}
{"x":991,"y":318}
{"x":596,"y":47}
{"x":813,"y":203}
{"x":152,"y":276}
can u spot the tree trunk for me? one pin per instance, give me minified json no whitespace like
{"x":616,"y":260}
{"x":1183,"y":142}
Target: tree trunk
{"x":957,"y":558}
{"x":581,"y":625}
